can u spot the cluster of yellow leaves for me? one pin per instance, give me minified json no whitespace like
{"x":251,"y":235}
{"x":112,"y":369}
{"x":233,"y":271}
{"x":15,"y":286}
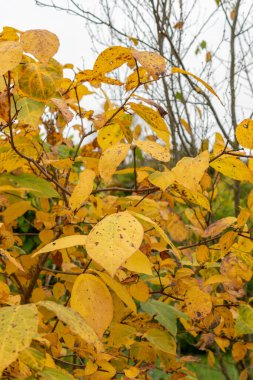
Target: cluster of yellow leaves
{"x":103,"y":252}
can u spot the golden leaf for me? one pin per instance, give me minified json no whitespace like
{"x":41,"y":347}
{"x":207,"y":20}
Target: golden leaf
{"x":92,"y":300}
{"x":83,"y":189}
{"x":198,"y":303}
{"x":10,"y":55}
{"x":120,"y":290}
{"x":153,"y":119}
{"x":110,"y":160}
{"x":138,"y":263}
{"x":112,"y":58}
{"x":155,"y":150}
{"x":232,"y":167}
{"x":113,"y":240}
{"x":62,"y":243}
{"x":244,"y":133}
{"x":42,"y":44}
{"x":154,"y":63}
{"x":74,"y":321}
{"x":18,"y":326}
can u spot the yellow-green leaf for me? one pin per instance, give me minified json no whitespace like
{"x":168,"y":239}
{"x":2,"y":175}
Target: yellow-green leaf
{"x":110,"y":160}
{"x":161,"y":340}
{"x":113,"y":240}
{"x":120,"y":290}
{"x":30,"y":111}
{"x":155,"y":150}
{"x":42,"y":44}
{"x":83,"y":189}
{"x":18,"y":326}
{"x":244,"y":321}
{"x":38,"y":81}
{"x":62,"y":243}
{"x":93,"y":301}
{"x":74,"y":321}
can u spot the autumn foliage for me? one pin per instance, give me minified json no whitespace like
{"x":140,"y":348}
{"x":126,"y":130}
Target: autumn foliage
{"x":116,"y":261}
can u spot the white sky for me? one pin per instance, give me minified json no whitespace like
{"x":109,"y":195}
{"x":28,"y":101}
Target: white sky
{"x":74,"y":39}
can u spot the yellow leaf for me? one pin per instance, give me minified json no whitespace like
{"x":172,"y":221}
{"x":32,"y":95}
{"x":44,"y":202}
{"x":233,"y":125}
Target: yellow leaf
{"x":159,"y":230}
{"x":140,"y":291}
{"x":138,"y":76}
{"x":132,"y":372}
{"x":189,"y":195}
{"x":18,"y":326}
{"x":198,"y":303}
{"x":223,"y":343}
{"x":181,"y":71}
{"x":154,"y":63}
{"x":109,"y":136}
{"x":119,"y":289}
{"x":58,"y":290}
{"x":185,"y":125}
{"x":162,"y":179}
{"x":92,"y":300}
{"x":38,"y":81}
{"x":110,"y":160}
{"x":189,"y":171}
{"x":153,"y":119}
{"x":42,"y":44}
{"x":232,"y":167}
{"x":239,"y":351}
{"x":90,"y":368}
{"x":216,"y":279}
{"x":217,"y":227}
{"x":112,"y":58}
{"x":64,"y":242}
{"x":219,"y":144}
{"x":138,"y":263}
{"x":83,"y":189}
{"x":11,"y":259}
{"x":244,"y":133}
{"x":10,"y":55}
{"x":155,"y":150}
{"x":15,"y":210}
{"x":74,"y":321}
{"x":113,"y":240}
{"x":63,"y":108}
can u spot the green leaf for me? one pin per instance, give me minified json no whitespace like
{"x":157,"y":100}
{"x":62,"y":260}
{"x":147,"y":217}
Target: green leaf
{"x":55,"y":374}
{"x":33,"y":358}
{"x":18,"y":326}
{"x":30,"y":111}
{"x":161,"y":340}
{"x":244,"y":321}
{"x":38,"y":186}
{"x":165,"y":314}
{"x":74,"y":321}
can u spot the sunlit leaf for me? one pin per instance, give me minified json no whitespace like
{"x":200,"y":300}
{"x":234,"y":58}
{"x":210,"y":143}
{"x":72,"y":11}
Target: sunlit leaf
{"x":113,"y":240}
{"x":110,"y":160}
{"x":155,"y":150}
{"x":92,"y":300}
{"x":83,"y":189}
{"x":62,"y":243}
{"x":10,"y":55}
{"x":18,"y":326}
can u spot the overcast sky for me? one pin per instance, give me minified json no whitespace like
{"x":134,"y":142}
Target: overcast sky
{"x":75,"y":42}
